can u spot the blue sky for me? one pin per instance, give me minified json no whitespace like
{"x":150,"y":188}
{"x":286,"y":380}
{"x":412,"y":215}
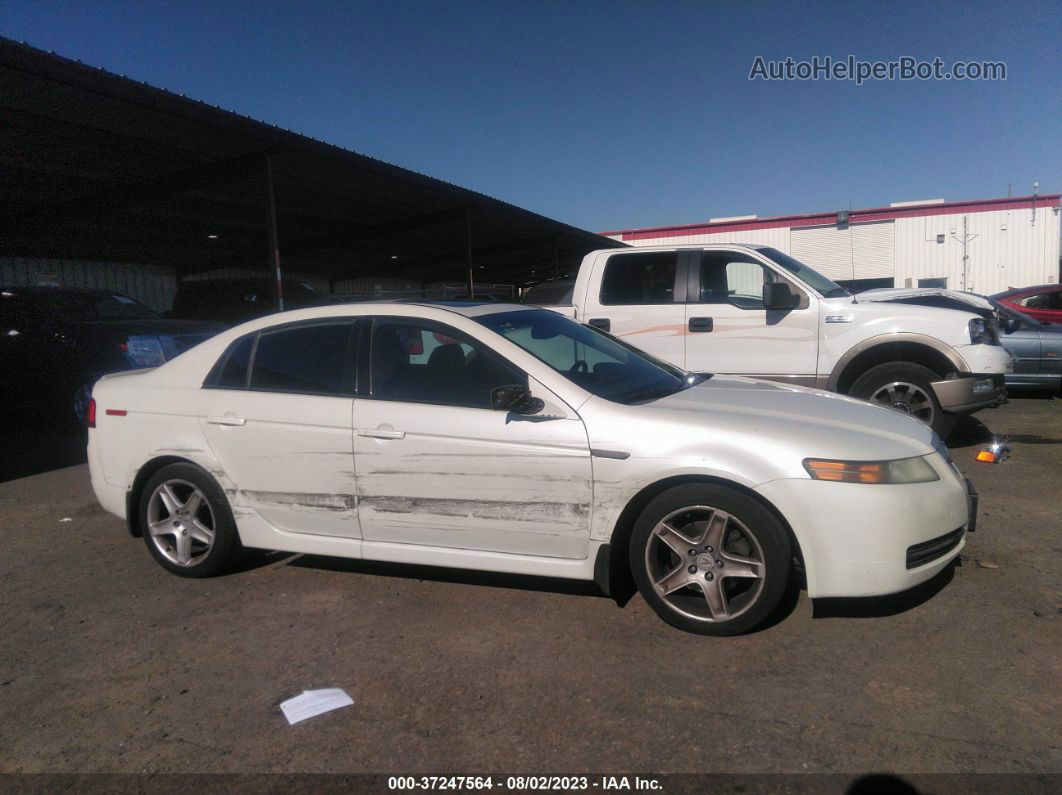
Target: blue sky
{"x":612,"y":115}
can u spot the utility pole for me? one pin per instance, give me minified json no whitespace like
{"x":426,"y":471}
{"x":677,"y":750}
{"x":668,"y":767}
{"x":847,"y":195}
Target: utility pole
{"x":274,"y":239}
{"x":965,"y":240}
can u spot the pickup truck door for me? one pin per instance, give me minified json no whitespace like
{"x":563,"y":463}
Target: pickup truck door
{"x":436,"y":466}
{"x":637,"y":296}
{"x":729,"y":331}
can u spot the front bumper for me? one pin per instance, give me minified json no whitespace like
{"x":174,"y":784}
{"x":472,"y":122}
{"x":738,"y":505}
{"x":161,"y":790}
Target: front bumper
{"x":856,"y":539}
{"x":972,"y":392}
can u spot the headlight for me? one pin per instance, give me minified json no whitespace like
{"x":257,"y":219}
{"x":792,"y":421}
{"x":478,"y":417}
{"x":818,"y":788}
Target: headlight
{"x":143,"y":351}
{"x":902,"y":470}
{"x":982,"y":333}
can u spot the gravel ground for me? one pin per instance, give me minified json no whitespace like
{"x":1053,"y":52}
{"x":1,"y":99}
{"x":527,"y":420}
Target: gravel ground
{"x":108,"y":664}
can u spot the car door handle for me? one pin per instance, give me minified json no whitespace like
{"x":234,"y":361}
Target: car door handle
{"x":602,"y":323}
{"x":228,"y":419}
{"x":381,"y":433}
{"x":700,"y":324}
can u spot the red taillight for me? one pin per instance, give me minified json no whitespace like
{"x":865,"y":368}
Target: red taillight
{"x":90,"y":414}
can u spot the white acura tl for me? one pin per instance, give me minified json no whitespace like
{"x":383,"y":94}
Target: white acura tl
{"x":507,"y":438}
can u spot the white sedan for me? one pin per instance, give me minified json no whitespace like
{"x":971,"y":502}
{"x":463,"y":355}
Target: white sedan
{"x":506,"y":438}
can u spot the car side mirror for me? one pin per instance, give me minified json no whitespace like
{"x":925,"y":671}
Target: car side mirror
{"x":1010,"y":325}
{"x":777,"y":295}
{"x":516,"y":398}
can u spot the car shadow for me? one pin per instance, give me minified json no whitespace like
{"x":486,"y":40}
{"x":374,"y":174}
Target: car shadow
{"x":412,"y":571}
{"x":253,"y":559}
{"x":622,"y":592}
{"x":969,"y":432}
{"x":882,"y":606}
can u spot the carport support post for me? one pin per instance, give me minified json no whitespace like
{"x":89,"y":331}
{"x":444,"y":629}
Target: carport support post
{"x":468,"y":256}
{"x":274,"y":238}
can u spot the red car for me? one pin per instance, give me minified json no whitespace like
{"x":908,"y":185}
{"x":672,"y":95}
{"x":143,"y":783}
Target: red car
{"x":1043,"y":303}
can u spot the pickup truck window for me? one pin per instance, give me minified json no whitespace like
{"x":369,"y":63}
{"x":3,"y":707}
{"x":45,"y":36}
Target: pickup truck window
{"x":644,"y":278}
{"x":806,"y":274}
{"x":592,"y":360}
{"x":729,"y":277}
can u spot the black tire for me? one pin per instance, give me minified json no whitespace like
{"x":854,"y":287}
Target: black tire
{"x":913,"y":391}
{"x":182,"y":532}
{"x":691,"y":509}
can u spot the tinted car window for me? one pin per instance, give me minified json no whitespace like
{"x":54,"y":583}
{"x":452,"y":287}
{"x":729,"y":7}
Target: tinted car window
{"x":424,"y":362}
{"x":550,"y":293}
{"x":302,"y":359}
{"x":1052,"y":300}
{"x":89,"y":306}
{"x":647,"y":278}
{"x":233,"y":373}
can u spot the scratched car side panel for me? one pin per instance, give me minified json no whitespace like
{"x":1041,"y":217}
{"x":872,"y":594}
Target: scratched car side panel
{"x":749,"y":433}
{"x":474,"y":478}
{"x":292,"y":459}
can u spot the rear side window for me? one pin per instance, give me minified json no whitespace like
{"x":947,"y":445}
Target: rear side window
{"x":1051,"y":300}
{"x":302,"y":359}
{"x":233,"y":373}
{"x":647,"y":278}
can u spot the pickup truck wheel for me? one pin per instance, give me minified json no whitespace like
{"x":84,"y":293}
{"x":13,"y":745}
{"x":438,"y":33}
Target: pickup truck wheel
{"x":187,"y":522}
{"x":905,"y":388}
{"x":710,"y":560}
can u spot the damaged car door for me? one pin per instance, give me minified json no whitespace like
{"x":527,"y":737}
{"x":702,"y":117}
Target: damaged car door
{"x":438,"y":466}
{"x":276,"y":411}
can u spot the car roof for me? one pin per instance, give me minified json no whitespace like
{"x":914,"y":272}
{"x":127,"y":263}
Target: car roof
{"x":470,"y":308}
{"x":1022,"y":290}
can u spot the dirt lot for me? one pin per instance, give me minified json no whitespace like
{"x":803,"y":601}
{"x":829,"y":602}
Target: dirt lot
{"x":108,"y":664}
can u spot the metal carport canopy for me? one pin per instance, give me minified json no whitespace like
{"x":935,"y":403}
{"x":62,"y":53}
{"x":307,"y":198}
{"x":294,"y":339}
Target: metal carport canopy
{"x":96,"y":166}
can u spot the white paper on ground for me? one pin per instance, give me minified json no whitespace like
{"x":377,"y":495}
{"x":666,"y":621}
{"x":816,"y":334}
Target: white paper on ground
{"x":314,"y":702}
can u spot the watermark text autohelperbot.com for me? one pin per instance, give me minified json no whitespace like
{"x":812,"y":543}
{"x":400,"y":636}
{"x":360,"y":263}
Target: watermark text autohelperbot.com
{"x":851,"y":68}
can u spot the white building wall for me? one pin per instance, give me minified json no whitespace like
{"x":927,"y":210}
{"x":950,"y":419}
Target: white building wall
{"x":1008,"y":250}
{"x":778,"y":238}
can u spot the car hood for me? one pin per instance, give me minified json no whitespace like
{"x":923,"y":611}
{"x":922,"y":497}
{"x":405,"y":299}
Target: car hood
{"x":899,"y":294}
{"x":823,"y":423}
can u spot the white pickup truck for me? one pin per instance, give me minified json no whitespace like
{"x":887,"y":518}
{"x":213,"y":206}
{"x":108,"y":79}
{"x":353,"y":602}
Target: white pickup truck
{"x":755,"y":311}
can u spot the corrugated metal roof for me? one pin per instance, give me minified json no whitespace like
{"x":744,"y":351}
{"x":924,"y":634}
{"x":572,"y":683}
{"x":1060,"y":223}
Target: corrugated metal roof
{"x":95,"y":165}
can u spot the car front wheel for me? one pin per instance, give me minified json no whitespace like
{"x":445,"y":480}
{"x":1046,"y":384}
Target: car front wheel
{"x":187,"y":523}
{"x":905,"y":387}
{"x":709,"y":559}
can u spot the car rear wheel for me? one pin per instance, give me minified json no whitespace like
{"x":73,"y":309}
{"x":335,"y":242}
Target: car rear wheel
{"x":187,"y":523}
{"x":709,"y":559}
{"x":905,"y":387}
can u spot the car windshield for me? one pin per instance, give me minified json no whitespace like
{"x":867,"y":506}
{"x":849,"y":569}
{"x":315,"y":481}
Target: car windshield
{"x":1010,"y":314}
{"x":597,"y":362}
{"x":95,"y":306}
{"x":806,"y":274}
{"x":545,"y":293}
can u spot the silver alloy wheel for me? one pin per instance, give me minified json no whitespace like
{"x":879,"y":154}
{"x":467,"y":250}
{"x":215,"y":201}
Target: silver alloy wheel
{"x":180,"y":522}
{"x":705,"y":563}
{"x":906,"y":397}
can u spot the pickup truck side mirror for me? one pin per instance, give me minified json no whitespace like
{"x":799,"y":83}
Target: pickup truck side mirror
{"x":516,"y":398}
{"x":777,"y":295}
